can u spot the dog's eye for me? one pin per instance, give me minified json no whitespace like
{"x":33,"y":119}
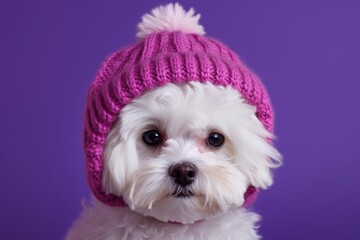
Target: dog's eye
{"x":215,"y":140}
{"x":152,"y":138}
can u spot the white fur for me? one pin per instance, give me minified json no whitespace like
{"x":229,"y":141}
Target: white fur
{"x":171,"y":17}
{"x":102,"y":222}
{"x":185,"y":114}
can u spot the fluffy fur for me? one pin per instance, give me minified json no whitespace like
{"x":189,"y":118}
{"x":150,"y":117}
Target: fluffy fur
{"x":102,"y":222}
{"x":185,"y":115}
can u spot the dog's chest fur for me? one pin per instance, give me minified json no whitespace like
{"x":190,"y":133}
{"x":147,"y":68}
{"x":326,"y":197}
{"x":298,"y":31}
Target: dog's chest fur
{"x":108,"y":223}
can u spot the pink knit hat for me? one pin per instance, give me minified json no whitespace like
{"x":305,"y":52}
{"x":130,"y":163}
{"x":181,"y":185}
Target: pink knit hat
{"x":171,"y":49}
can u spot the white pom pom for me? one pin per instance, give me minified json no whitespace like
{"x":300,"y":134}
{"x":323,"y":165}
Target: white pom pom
{"x":171,"y":17}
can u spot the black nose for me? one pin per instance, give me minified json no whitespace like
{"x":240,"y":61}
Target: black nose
{"x":183,"y":173}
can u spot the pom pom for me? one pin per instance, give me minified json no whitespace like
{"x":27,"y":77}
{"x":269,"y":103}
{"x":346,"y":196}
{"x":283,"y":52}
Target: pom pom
{"x":171,"y":17}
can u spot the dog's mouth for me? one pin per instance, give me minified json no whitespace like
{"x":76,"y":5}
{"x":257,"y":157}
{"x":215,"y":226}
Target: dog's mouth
{"x":182,"y":193}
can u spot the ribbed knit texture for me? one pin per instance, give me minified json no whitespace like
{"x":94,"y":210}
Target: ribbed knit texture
{"x":161,"y":58}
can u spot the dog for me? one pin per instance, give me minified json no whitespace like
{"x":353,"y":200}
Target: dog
{"x":183,"y":157}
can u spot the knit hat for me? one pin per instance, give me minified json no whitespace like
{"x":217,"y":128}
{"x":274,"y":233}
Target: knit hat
{"x":171,"y":48}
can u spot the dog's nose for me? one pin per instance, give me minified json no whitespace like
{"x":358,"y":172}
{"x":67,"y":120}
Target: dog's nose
{"x":183,"y":173}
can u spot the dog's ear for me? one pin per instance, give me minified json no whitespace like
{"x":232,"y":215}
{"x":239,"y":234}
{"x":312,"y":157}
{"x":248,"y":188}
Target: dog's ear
{"x":120,"y":161}
{"x":266,"y":159}
{"x":256,"y":154}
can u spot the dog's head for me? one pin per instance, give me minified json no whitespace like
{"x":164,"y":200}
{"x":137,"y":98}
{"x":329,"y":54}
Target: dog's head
{"x":183,"y":153}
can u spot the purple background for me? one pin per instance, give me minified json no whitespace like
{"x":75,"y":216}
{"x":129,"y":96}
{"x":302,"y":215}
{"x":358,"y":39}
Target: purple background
{"x":307,"y":54}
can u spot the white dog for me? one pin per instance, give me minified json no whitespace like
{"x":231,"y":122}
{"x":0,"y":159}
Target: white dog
{"x":182,"y":156}
{"x":188,"y":154}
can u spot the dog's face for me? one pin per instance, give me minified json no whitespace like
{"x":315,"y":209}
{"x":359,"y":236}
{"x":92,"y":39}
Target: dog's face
{"x":183,"y":153}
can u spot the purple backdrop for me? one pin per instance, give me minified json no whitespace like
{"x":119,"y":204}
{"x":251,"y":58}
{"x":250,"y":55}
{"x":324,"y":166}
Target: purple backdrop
{"x":307,"y":54}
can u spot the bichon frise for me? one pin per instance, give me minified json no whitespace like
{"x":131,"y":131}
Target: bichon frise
{"x":177,"y":138}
